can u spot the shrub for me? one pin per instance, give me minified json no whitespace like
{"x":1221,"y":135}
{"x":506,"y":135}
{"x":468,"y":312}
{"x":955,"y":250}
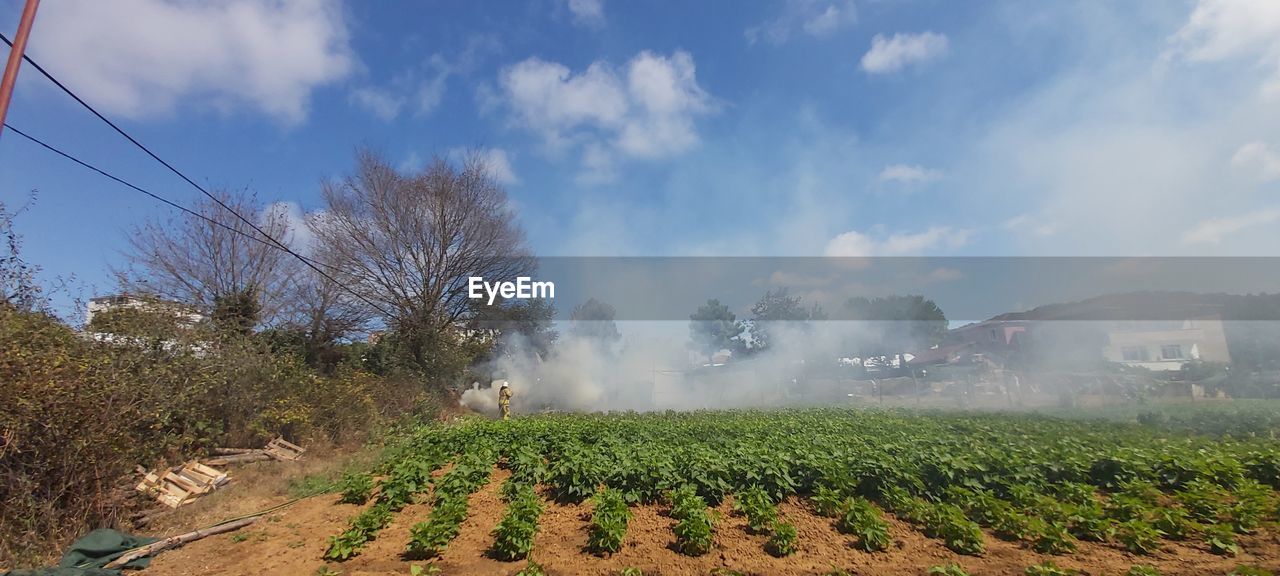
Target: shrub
{"x":83,"y":412}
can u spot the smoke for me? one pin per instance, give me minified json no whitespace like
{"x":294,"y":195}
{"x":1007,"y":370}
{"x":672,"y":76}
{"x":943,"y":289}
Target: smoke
{"x":652,"y":368}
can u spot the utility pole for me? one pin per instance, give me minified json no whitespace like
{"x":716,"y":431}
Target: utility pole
{"x":15,"y":58}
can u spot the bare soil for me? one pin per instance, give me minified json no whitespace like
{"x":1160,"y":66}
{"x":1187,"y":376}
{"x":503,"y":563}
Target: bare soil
{"x":293,"y":542}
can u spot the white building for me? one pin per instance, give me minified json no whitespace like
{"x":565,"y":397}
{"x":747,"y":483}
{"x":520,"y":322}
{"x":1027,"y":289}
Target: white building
{"x":103,"y":304}
{"x":1167,"y":344}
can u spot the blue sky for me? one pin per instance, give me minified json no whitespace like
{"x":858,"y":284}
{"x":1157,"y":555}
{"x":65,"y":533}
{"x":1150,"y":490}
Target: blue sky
{"x":797,"y":127}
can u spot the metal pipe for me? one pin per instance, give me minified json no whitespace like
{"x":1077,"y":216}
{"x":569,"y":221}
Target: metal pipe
{"x":15,"y":58}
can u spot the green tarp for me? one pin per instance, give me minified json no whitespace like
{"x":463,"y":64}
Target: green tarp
{"x":88,"y":555}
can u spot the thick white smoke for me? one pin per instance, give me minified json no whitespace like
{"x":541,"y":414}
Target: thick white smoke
{"x":652,"y":368}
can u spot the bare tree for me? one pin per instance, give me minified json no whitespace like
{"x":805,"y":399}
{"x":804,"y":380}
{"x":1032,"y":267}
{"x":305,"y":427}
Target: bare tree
{"x":18,"y":286}
{"x":409,"y":242}
{"x":195,"y":262}
{"x":319,"y":310}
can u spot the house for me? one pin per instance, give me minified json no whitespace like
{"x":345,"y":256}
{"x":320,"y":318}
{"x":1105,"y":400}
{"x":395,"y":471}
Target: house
{"x":1152,"y":330}
{"x":103,"y":304}
{"x":1166,"y":344}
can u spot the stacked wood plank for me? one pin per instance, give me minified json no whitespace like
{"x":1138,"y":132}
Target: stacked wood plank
{"x":278,"y":449}
{"x":182,"y":484}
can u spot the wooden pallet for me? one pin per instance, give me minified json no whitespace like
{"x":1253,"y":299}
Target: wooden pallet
{"x":282,"y":449}
{"x":183,"y":484}
{"x":278,"y":449}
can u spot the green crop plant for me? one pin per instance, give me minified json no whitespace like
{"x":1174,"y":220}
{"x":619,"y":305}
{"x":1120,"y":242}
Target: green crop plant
{"x":695,"y":527}
{"x":1089,"y":522}
{"x":513,"y":536}
{"x":1243,"y":570}
{"x":949,"y":524}
{"x":608,"y":521}
{"x":756,"y":505}
{"x":1052,"y":538}
{"x":1042,"y":482}
{"x":1221,"y":539}
{"x":861,"y":518}
{"x":1048,"y":568}
{"x":827,"y":502}
{"x":782,"y":541}
{"x":1173,"y":523}
{"x":355,"y":488}
{"x":949,"y":569}
{"x":1138,"y":537}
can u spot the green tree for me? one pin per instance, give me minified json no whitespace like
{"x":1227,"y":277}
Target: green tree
{"x":899,"y":323}
{"x":714,"y":327}
{"x":778,"y":306}
{"x":594,"y":320}
{"x":513,"y":325}
{"x":237,"y":312}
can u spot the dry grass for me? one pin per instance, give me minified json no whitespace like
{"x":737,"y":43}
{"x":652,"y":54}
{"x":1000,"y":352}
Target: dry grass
{"x":261,"y":485}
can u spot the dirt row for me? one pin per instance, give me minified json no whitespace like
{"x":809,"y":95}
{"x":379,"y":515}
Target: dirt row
{"x":293,"y":542}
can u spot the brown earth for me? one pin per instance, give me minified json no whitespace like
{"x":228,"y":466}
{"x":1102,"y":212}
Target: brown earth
{"x":293,"y":542}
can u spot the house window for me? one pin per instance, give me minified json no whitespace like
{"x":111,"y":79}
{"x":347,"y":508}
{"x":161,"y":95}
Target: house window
{"x":1171,"y":352}
{"x":995,"y":334}
{"x":1134,"y":354}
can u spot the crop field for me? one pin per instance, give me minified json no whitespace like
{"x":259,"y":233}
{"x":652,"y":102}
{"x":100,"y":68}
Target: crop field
{"x":816,"y":491}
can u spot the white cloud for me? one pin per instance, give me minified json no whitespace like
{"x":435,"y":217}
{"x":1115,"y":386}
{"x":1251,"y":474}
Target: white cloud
{"x":944,"y":274}
{"x":496,"y":161}
{"x":859,"y":244}
{"x":893,"y":54}
{"x":908,"y":174}
{"x":1258,"y":158}
{"x":817,"y":18}
{"x":380,"y":102}
{"x":1036,"y":226}
{"x":1213,"y":230}
{"x":1141,"y":167}
{"x":1220,"y":30}
{"x":587,"y":12}
{"x":418,"y":90}
{"x":645,"y":110}
{"x":299,"y":237}
{"x":138,"y":58}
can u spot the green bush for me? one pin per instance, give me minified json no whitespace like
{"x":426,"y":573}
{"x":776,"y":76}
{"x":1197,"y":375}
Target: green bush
{"x":83,"y":411}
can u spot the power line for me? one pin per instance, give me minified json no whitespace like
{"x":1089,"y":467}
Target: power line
{"x":168,"y":202}
{"x":216,"y":200}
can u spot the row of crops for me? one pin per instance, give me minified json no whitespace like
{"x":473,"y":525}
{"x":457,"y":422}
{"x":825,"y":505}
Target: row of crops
{"x":1045,"y":483}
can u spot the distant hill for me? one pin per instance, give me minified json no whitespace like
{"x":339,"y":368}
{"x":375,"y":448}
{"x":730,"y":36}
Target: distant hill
{"x":1157,"y":305}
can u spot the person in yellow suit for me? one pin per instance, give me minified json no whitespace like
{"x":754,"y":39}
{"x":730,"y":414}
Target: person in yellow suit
{"x":504,"y":400}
